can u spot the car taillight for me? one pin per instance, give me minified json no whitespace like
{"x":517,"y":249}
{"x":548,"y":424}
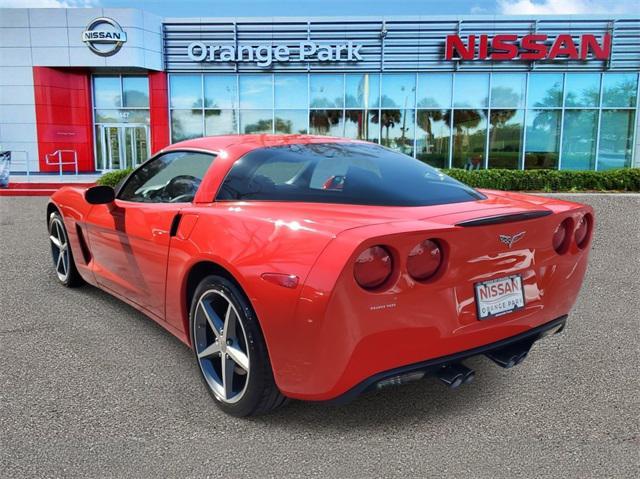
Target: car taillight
{"x":373,"y":267}
{"x":424,"y":260}
{"x":582,"y":231}
{"x":561,"y":237}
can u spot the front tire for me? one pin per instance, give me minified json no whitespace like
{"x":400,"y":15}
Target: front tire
{"x":61,"y":253}
{"x":230,"y":350}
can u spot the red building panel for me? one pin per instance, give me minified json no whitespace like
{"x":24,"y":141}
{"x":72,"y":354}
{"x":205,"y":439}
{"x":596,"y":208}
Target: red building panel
{"x":159,"y":110}
{"x":63,"y":116}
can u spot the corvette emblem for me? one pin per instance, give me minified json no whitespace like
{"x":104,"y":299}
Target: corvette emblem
{"x":510,"y":240}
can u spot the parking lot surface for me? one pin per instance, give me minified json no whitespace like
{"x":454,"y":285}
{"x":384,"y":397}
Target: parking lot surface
{"x":90,"y":387}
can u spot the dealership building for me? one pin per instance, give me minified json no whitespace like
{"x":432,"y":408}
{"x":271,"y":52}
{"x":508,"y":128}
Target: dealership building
{"x":97,"y":89}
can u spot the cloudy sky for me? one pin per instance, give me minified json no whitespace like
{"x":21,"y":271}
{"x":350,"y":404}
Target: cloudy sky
{"x":213,"y":8}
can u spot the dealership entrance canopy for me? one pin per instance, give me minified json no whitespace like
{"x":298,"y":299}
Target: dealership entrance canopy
{"x":98,"y":89}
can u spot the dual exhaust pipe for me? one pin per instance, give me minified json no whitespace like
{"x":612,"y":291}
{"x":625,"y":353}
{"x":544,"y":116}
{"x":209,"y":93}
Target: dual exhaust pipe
{"x":455,"y":375}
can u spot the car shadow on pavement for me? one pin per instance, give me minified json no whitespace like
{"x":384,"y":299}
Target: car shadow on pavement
{"x":424,"y":401}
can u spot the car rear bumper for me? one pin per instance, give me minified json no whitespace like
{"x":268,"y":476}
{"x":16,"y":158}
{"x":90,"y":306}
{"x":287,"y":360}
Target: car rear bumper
{"x":431,"y":366}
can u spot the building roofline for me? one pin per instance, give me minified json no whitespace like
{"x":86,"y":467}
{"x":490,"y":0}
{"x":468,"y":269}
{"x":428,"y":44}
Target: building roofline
{"x":402,"y":18}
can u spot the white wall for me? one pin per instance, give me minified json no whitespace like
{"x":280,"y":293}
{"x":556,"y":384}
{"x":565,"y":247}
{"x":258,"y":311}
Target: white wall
{"x":17,"y":111}
{"x":53,"y":37}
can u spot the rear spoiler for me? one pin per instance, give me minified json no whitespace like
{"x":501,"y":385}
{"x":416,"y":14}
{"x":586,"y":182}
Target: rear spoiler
{"x":508,"y":218}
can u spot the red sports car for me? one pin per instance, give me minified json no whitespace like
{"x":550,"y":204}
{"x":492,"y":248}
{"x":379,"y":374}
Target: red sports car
{"x":288,"y":288}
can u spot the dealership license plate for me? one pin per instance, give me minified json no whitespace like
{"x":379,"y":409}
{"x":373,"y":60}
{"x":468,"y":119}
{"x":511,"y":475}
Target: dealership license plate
{"x":499,"y":296}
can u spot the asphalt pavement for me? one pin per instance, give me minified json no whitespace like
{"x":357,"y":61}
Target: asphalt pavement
{"x":90,"y":387}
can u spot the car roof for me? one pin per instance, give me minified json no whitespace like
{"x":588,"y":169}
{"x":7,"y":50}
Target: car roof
{"x":250,"y":142}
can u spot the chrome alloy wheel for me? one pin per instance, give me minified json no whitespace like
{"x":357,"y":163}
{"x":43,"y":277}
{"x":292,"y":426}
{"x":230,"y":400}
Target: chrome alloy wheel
{"x":59,"y":248}
{"x":221,"y":346}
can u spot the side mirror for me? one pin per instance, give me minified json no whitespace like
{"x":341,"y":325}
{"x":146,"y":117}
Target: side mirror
{"x":100,"y":195}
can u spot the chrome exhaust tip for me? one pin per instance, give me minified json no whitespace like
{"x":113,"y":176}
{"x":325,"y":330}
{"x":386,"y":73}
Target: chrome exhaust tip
{"x":454,"y":375}
{"x":510,"y":356}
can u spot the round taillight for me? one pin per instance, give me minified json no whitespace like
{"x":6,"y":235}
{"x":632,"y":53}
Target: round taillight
{"x":561,"y":237}
{"x":424,"y":260}
{"x":582,"y":231}
{"x":373,"y":267}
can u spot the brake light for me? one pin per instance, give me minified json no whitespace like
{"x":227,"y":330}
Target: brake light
{"x":561,"y":237}
{"x":582,"y":231}
{"x":424,"y":260}
{"x":373,"y":267}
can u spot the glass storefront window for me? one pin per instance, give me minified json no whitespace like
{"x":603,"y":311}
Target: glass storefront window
{"x":545,"y":90}
{"x":256,"y":91}
{"x":106,"y":92}
{"x":362,"y":125}
{"x":397,"y":130}
{"x":398,"y":90}
{"x":543,"y":139}
{"x":220,"y":91}
{"x":582,"y":90}
{"x":620,"y":89}
{"x":186,"y":124}
{"x":432,"y":137}
{"x":186,"y":91}
{"x":505,"y":138}
{"x":434,"y":90}
{"x":616,"y":139}
{"x":326,"y":122}
{"x":256,"y":121}
{"x":362,"y":90}
{"x":469,"y":138}
{"x":579,"y":142}
{"x":507,"y":90}
{"x":135,"y":92}
{"x":327,"y":91}
{"x":486,"y":114}
{"x":291,"y":92}
{"x":220,"y":122}
{"x":121,"y":118}
{"x":471,"y":90}
{"x":291,"y":121}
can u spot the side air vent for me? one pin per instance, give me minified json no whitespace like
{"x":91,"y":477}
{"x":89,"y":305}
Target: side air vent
{"x":508,"y":218}
{"x":86,"y":254}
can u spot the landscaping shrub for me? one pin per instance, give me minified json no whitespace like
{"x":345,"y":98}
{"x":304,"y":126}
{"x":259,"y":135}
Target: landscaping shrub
{"x":114,"y":177}
{"x":625,"y":179}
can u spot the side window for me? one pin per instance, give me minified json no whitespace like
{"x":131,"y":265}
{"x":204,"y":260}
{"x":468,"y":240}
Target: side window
{"x":171,"y":178}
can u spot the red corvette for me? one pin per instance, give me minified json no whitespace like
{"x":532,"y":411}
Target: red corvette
{"x":318,"y":268}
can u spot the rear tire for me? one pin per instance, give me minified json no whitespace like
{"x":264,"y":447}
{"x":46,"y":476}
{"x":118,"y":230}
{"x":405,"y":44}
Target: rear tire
{"x":63,"y":262}
{"x":230,"y":350}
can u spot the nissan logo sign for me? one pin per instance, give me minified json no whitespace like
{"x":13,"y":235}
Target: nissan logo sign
{"x":104,"y":37}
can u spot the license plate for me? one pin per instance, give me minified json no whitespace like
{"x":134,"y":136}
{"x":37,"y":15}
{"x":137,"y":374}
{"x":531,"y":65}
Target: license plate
{"x":499,"y":296}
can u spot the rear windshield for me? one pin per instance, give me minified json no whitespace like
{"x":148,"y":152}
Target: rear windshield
{"x":349,"y":173}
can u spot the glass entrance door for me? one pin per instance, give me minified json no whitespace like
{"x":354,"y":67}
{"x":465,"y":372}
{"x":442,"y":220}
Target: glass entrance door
{"x":122,"y":146}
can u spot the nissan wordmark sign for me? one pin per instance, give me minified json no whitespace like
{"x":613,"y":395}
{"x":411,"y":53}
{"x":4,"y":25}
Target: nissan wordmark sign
{"x":265,"y":55}
{"x":529,"y":47}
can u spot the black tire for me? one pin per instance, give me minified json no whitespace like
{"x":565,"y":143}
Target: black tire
{"x":259,"y":393}
{"x":70,"y":278}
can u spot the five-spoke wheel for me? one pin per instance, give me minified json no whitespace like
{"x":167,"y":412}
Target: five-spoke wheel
{"x":230,"y":349}
{"x":61,"y":252}
{"x":221,"y":346}
{"x":59,"y":248}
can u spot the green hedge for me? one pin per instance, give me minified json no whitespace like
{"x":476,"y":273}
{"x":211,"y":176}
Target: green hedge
{"x":627,"y":179}
{"x":113,"y":177}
